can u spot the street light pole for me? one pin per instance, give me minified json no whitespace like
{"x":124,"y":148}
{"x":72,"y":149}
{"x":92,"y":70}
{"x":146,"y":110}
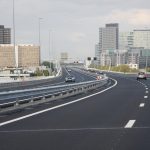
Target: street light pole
{"x":50,"y":50}
{"x":40,"y":37}
{"x":14,"y":34}
{"x":14,"y":39}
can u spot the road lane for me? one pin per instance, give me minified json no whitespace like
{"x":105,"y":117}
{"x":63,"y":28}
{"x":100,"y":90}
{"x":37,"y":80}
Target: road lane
{"x":95,"y":123}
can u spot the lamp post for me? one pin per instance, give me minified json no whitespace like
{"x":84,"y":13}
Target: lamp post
{"x":50,"y":51}
{"x":40,"y":37}
{"x":14,"y":39}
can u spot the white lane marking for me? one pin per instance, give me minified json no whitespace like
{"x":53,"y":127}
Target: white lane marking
{"x":142,"y":105}
{"x":146,"y":88}
{"x":55,"y":107}
{"x":145,"y":96}
{"x":57,"y":129}
{"x":130,"y":124}
{"x":146,"y":91}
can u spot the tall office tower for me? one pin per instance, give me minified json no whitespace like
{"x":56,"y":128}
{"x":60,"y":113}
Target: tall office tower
{"x":109,"y":37}
{"x":141,"y":38}
{"x":108,"y":41}
{"x":5,"y":35}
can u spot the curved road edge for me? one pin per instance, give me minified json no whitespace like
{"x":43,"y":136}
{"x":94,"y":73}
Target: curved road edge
{"x":58,"y":106}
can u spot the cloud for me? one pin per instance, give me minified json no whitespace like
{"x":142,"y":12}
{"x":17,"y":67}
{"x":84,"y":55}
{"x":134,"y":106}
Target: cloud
{"x":75,"y":22}
{"x":132,"y":17}
{"x":77,"y":36}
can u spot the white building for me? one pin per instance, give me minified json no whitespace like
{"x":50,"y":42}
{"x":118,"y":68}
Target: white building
{"x":125,"y":40}
{"x":141,"y":38}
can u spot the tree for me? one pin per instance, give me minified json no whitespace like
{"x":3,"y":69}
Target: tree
{"x":48,"y":64}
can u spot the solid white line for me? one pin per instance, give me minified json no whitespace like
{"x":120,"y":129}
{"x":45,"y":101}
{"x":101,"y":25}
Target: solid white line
{"x":142,"y":105}
{"x":55,"y":107}
{"x":130,"y":124}
{"x":69,"y":129}
{"x":145,"y":96}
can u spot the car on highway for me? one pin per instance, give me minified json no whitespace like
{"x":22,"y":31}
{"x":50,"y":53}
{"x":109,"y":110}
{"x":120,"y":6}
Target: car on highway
{"x":70,"y":78}
{"x":69,"y":70}
{"x":141,"y":75}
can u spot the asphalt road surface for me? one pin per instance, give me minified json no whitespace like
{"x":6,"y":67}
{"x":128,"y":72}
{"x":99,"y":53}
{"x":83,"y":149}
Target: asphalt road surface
{"x":113,"y":119}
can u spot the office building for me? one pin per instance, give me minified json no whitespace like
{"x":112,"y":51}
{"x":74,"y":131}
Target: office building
{"x":27,"y":56}
{"x":109,"y":37}
{"x":141,"y":38}
{"x":125,"y":40}
{"x":7,"y":56}
{"x":108,"y":42}
{"x":5,"y":35}
{"x":64,"y":57}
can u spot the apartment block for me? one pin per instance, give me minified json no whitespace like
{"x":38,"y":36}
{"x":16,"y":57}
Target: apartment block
{"x":7,"y":56}
{"x":22,"y":56}
{"x":28,"y":56}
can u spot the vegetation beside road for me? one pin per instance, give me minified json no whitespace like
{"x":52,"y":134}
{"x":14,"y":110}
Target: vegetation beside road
{"x":120,"y":68}
{"x":45,"y":72}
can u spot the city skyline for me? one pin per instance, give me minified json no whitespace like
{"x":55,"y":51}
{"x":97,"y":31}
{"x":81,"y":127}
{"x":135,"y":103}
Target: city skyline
{"x":74,"y":24}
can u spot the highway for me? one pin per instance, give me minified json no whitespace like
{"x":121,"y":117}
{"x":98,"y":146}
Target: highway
{"x":42,"y":83}
{"x":115,"y":117}
{"x":80,"y":77}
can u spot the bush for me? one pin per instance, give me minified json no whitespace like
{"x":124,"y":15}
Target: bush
{"x":46,"y":72}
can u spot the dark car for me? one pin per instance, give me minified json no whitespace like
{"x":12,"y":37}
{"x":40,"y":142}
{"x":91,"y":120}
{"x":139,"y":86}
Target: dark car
{"x":70,"y":79}
{"x":141,"y":75}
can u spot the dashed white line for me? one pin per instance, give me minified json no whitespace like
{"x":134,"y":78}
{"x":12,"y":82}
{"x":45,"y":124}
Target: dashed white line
{"x":145,"y":96}
{"x":142,"y":105}
{"x":146,"y":88}
{"x":130,"y":124}
{"x":146,"y":91}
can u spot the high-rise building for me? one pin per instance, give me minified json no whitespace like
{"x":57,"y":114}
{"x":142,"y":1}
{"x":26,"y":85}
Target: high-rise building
{"x":108,"y":42}
{"x":109,"y":37}
{"x":5,"y":35}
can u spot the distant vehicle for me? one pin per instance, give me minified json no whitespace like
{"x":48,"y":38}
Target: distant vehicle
{"x":141,"y":75}
{"x":69,"y":70}
{"x":70,"y":79}
{"x":100,"y":73}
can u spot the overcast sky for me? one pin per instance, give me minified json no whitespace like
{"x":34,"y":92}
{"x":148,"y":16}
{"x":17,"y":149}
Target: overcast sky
{"x":73,"y":24}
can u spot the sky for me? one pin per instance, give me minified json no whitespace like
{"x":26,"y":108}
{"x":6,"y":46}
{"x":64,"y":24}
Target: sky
{"x":71,"y":25}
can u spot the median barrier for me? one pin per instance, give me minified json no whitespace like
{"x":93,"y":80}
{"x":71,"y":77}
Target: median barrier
{"x":67,"y":91}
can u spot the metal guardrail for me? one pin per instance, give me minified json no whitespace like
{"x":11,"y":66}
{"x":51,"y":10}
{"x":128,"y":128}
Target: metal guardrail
{"x":67,"y":91}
